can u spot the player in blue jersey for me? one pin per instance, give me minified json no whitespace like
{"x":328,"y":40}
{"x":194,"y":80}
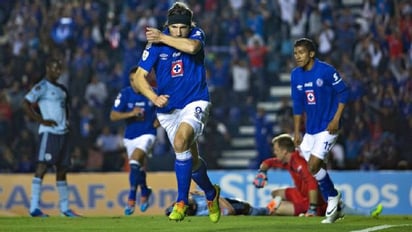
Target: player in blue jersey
{"x":320,"y":93}
{"x":52,"y":101}
{"x":182,"y":97}
{"x":139,"y":137}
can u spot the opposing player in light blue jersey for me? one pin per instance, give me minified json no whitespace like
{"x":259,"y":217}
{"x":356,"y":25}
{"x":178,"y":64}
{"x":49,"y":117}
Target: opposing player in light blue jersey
{"x":52,"y":101}
{"x":230,"y":206}
{"x":320,"y":93}
{"x":139,"y":137}
{"x":182,"y":97}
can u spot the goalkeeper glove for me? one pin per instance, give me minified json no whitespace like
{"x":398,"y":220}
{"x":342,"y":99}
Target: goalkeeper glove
{"x":312,"y":211}
{"x":260,"y":179}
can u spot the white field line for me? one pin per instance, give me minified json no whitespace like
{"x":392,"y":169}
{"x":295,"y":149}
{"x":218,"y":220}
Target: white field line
{"x":376,"y":228}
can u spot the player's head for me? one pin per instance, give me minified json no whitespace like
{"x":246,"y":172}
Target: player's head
{"x":282,"y":146}
{"x":53,"y":68}
{"x":179,"y":20}
{"x":304,"y":51}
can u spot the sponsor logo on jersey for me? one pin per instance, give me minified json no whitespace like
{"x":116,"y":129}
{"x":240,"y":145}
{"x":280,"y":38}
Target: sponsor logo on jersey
{"x":163,"y":56}
{"x":308,"y":84}
{"x":299,"y":87}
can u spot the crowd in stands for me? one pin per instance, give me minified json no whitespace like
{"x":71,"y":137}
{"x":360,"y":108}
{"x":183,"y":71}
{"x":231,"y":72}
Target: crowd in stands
{"x":249,"y":43}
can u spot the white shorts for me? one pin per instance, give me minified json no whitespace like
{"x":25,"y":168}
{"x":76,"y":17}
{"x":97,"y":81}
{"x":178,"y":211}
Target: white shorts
{"x":318,"y":144}
{"x":195,"y":114}
{"x":143,"y":142}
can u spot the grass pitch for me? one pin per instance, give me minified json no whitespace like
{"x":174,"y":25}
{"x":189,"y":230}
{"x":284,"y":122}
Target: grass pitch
{"x":202,"y":224}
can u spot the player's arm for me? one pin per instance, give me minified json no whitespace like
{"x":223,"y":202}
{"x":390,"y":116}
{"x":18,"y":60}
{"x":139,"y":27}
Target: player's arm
{"x":140,"y":84}
{"x":31,"y":112}
{"x":116,"y":115}
{"x":186,"y":45}
{"x":342,"y":91}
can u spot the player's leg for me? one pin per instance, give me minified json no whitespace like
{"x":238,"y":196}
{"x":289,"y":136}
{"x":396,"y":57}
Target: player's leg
{"x":62,"y":161}
{"x":41,"y":169}
{"x":323,"y":143}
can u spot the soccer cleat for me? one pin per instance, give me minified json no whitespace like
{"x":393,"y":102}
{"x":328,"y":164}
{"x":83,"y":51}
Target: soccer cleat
{"x":144,"y":201}
{"x":332,"y":211}
{"x":375,"y":212}
{"x":70,"y":213}
{"x":213,"y":206}
{"x":129,"y":209}
{"x":179,"y":211}
{"x":38,"y":213}
{"x":274,"y":204}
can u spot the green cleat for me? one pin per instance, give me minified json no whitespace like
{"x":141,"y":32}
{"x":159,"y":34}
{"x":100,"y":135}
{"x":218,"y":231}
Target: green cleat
{"x":213,"y":206}
{"x":179,"y":211}
{"x":377,"y":210}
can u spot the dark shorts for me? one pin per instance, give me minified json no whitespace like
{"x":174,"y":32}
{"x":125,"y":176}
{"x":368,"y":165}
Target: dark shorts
{"x":54,"y":149}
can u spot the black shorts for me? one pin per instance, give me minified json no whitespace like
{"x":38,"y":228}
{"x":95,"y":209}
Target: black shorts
{"x":54,"y":149}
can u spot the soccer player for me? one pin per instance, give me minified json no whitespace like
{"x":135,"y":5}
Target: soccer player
{"x":139,"y":137}
{"x":303,"y":198}
{"x":229,"y":206}
{"x":182,"y":97}
{"x":320,"y":93}
{"x":52,"y":101}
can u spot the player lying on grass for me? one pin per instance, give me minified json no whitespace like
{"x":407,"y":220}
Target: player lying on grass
{"x":304,"y":198}
{"x":228,"y":206}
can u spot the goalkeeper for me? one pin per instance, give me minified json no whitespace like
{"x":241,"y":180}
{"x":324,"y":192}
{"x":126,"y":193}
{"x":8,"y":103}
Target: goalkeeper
{"x":304,"y":198}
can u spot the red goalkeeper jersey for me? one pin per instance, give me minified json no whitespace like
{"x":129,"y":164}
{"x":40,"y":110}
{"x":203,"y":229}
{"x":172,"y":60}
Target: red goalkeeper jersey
{"x":299,"y":171}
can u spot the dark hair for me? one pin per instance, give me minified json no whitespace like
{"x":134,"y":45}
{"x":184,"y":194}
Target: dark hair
{"x":180,"y":13}
{"x":307,"y":43}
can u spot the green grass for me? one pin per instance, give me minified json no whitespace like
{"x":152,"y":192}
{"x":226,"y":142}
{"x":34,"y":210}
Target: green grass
{"x":200,"y":224}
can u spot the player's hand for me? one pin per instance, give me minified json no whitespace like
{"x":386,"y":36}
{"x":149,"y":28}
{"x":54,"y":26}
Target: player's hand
{"x":297,"y":139}
{"x":153,"y":35}
{"x":260,"y":180}
{"x":161,"y":100}
{"x":333,"y":127}
{"x":51,"y":123}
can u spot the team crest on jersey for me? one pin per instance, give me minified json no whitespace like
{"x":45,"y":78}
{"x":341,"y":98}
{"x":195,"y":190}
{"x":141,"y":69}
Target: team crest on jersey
{"x":319,"y":82}
{"x":310,"y":97}
{"x":177,"y":68}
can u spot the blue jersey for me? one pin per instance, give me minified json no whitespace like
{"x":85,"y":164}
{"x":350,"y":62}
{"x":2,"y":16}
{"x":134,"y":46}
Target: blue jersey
{"x":52,"y":100}
{"x":125,"y":101}
{"x":317,"y":92}
{"x":180,"y":75}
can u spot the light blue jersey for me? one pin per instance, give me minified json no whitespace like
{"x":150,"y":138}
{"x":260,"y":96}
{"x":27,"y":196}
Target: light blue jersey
{"x":317,"y":92}
{"x":52,"y":102}
{"x":180,"y":75}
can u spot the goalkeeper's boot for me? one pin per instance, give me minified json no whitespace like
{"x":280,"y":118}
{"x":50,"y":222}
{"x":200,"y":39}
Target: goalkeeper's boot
{"x":375,"y":212}
{"x":213,"y":206}
{"x":70,"y":213}
{"x":129,"y":209}
{"x":144,"y":200}
{"x":38,"y":213}
{"x":179,"y":211}
{"x":333,"y":211}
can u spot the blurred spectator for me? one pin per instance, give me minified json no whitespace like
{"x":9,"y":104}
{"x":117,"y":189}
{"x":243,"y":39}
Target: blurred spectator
{"x":111,"y":146}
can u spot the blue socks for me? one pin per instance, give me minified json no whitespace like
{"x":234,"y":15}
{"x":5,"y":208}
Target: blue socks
{"x":327,"y":188}
{"x":202,"y":180}
{"x":133,"y":180}
{"x":183,"y":169}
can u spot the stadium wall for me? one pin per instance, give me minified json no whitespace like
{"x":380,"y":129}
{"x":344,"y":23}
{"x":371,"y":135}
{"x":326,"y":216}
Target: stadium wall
{"x":105,"y":194}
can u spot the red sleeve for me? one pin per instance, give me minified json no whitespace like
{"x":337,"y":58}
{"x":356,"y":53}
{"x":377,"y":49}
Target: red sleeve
{"x":274,"y":163}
